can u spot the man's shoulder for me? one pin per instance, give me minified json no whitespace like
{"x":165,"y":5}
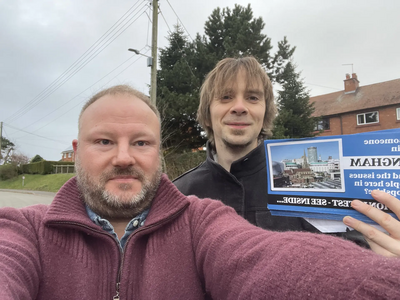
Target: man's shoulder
{"x":191,"y":174}
{"x":32,"y":215}
{"x":37,"y":209}
{"x":194,"y":181}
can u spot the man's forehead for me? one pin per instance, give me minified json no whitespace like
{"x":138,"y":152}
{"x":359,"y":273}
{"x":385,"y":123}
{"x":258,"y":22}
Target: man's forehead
{"x":122,"y":106}
{"x":120,"y":103}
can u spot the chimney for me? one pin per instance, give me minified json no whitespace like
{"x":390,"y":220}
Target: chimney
{"x":351,"y":84}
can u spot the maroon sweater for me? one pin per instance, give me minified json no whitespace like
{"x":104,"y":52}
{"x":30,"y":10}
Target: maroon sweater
{"x":188,"y":249}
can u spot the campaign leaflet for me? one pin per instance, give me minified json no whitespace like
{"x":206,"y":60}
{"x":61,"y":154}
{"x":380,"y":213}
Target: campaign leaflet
{"x":317,"y":178}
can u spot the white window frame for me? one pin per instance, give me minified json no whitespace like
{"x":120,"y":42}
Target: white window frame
{"x":321,"y":123}
{"x":69,"y":154}
{"x":398,"y":113}
{"x":364,"y":114}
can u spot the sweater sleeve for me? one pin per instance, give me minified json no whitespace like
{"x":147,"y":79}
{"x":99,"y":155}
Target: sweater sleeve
{"x":19,"y":255}
{"x":237,"y":260}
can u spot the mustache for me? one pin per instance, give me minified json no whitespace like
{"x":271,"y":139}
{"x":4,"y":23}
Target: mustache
{"x":130,"y":171}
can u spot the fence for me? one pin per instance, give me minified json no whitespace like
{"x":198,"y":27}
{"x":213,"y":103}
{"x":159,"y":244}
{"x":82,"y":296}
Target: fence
{"x":58,"y":169}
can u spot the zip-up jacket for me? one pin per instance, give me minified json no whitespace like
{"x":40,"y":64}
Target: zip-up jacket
{"x":187,"y":249}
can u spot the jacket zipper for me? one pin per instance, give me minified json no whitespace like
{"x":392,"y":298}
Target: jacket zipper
{"x":162,"y":222}
{"x":117,"y":286}
{"x":116,"y":297}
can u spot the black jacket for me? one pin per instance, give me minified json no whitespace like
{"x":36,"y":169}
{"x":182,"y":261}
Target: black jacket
{"x":245,"y":189}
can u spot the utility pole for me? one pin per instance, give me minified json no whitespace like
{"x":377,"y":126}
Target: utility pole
{"x":153,"y":90}
{"x":152,"y":60}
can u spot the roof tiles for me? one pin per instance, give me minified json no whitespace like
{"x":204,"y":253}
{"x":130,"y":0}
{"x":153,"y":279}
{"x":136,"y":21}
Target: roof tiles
{"x":365,"y":97}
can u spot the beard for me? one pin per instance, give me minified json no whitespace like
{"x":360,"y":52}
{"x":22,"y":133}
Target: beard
{"x":110,"y":206}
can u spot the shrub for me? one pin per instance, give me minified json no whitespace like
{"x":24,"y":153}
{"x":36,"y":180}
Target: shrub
{"x":179,"y":163}
{"x":43,"y":167}
{"x":8,"y":171}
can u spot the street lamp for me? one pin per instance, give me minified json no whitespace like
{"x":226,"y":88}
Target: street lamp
{"x":153,"y":87}
{"x":149,"y":58}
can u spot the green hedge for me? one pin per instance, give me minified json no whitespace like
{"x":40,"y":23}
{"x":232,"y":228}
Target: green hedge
{"x":43,"y":167}
{"x":178,"y":163}
{"x":8,"y":171}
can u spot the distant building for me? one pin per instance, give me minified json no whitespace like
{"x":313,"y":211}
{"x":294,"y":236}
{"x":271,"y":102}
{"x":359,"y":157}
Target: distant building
{"x":300,"y":176}
{"x":325,"y":166}
{"x":305,"y":161}
{"x":68,"y":154}
{"x":358,"y":109}
{"x":290,"y":165}
{"x":312,"y":154}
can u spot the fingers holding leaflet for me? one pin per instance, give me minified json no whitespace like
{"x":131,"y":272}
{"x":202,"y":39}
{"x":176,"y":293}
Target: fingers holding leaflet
{"x":381,"y":243}
{"x":390,"y":224}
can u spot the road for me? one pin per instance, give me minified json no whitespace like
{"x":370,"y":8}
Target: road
{"x":22,"y":198}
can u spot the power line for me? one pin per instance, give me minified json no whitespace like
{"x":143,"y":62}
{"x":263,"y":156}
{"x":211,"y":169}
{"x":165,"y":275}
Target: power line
{"x":148,"y":26}
{"x":43,"y":137}
{"x":180,"y":49}
{"x":180,"y":20}
{"x":327,"y":87}
{"x":77,"y":61}
{"x":78,"y":64}
{"x":40,"y":146}
{"x":65,"y":112}
{"x":83,"y":64}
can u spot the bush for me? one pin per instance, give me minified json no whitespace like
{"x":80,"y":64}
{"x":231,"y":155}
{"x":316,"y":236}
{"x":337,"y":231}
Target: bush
{"x":179,"y":163}
{"x":8,"y":171}
{"x":43,"y":167}
{"x":36,"y":158}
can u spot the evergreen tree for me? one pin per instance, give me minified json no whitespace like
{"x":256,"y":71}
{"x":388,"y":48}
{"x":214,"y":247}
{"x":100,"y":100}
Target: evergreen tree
{"x":235,"y":33}
{"x":282,"y":57}
{"x":295,"y":110}
{"x":178,"y":94}
{"x":36,"y":158}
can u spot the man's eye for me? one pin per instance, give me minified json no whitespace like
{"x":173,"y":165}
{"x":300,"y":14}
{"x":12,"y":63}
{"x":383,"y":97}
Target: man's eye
{"x":226,"y":97}
{"x":141,"y":143}
{"x":104,"y":142}
{"x":253,"y":98}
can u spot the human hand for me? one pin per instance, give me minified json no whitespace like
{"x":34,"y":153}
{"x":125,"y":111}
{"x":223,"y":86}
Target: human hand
{"x":380,"y":242}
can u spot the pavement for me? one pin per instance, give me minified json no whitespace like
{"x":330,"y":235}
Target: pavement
{"x":23,"y":198}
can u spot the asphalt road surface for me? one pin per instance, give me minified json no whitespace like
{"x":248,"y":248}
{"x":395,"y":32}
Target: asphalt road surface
{"x":22,"y":198}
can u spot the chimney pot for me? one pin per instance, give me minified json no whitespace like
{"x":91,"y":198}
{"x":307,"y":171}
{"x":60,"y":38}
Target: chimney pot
{"x":351,"y":84}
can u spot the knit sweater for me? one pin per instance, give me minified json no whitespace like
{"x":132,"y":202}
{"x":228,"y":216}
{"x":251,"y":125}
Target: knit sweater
{"x":245,"y":188}
{"x":187,"y":249}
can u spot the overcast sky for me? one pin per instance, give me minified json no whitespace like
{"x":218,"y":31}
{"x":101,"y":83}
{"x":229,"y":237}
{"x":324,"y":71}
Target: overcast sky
{"x":42,"y":90}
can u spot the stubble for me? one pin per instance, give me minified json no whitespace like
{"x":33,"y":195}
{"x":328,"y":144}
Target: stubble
{"x":112,"y":206}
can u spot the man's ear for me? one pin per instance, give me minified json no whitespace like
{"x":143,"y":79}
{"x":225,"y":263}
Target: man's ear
{"x":75,"y":145}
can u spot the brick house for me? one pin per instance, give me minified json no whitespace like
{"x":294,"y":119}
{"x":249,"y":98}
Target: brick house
{"x":359,"y":109}
{"x":68,"y":154}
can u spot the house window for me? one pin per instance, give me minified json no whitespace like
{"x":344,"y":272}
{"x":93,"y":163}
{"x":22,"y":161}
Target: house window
{"x":69,"y":154}
{"x":368,"y":118}
{"x":398,"y":113}
{"x":322,"y":124}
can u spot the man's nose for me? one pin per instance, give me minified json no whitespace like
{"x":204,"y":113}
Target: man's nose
{"x":239,"y":106}
{"x":123,"y":157}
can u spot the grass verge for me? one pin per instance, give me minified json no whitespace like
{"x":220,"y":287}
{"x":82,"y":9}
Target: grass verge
{"x":48,"y":183}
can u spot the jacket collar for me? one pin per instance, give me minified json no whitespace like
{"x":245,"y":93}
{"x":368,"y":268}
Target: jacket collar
{"x":249,"y":164}
{"x":68,"y":205}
